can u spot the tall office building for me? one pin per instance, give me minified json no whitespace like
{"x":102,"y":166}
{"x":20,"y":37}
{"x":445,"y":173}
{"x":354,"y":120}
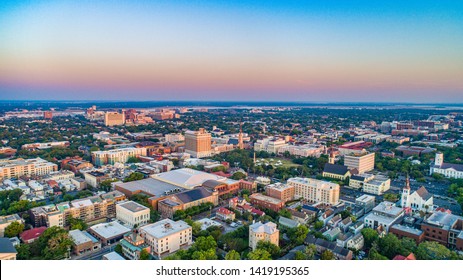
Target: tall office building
{"x":198,"y":143}
{"x":114,"y":118}
{"x":363,"y":163}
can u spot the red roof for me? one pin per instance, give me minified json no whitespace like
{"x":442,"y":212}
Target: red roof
{"x":32,"y":234}
{"x":224,"y":211}
{"x":221,"y":173}
{"x":402,"y":258}
{"x":257,"y":211}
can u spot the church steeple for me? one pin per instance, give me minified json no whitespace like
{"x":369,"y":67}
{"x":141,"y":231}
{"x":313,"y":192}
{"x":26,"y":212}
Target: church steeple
{"x":240,"y":137}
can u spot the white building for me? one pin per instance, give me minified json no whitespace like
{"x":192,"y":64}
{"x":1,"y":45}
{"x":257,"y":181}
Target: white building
{"x":309,"y":150}
{"x":314,"y":190}
{"x":449,"y":170}
{"x":420,"y":200}
{"x":117,"y":155}
{"x":377,"y":186}
{"x":384,"y":214}
{"x":174,"y":137}
{"x":167,"y":236}
{"x":269,"y":144}
{"x":132,"y":214}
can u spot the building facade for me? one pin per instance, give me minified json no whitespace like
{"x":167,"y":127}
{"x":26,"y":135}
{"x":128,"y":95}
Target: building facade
{"x":315,"y":191}
{"x":263,"y":232}
{"x":198,"y":143}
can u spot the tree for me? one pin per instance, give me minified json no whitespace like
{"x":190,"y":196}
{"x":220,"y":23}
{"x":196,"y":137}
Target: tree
{"x":408,"y":246}
{"x":285,"y":213}
{"x":24,"y":251}
{"x":318,"y":225}
{"x":298,"y":234}
{"x":259,"y":254}
{"x":300,"y":256}
{"x":54,"y":243}
{"x":327,"y":255}
{"x":77,"y":224}
{"x":135,"y":176}
{"x":433,"y":251}
{"x":209,"y":254}
{"x":238,"y":176}
{"x":375,"y":255}
{"x":118,"y":249}
{"x":232,"y":255}
{"x":310,"y":251}
{"x":144,"y":255}
{"x":106,"y":184}
{"x":370,"y":236}
{"x":14,"y":229}
{"x":273,"y":249}
{"x":133,"y":160}
{"x":389,"y":245}
{"x":204,"y":243}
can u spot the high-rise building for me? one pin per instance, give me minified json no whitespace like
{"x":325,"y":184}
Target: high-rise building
{"x":114,"y":118}
{"x":198,"y":143}
{"x":48,"y":115}
{"x":314,"y":190}
{"x":362,"y":163}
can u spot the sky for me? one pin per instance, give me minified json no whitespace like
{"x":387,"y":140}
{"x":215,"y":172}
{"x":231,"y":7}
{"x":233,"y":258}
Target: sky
{"x":222,"y":50}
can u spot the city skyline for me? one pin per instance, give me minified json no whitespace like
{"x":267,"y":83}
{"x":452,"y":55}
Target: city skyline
{"x":322,"y":51}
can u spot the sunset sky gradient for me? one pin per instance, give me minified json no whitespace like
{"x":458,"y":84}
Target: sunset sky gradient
{"x":404,"y":51}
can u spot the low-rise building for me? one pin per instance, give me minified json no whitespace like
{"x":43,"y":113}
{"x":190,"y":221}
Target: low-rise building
{"x":132,"y":214}
{"x":7,"y":250}
{"x":280,"y":191}
{"x":225,"y":214}
{"x":265,"y":201}
{"x":83,"y":242}
{"x":166,"y":236}
{"x":385,"y":215}
{"x":108,"y":233}
{"x":263,"y":232}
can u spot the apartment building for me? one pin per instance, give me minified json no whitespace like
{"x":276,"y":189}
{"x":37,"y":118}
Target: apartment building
{"x":166,"y":236}
{"x":263,"y":232}
{"x":315,"y":191}
{"x":122,"y":155}
{"x":280,"y":191}
{"x":266,"y":202}
{"x":25,"y":167}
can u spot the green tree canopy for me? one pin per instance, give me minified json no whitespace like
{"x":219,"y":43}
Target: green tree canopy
{"x":259,"y":254}
{"x":14,"y":229}
{"x":233,"y":255}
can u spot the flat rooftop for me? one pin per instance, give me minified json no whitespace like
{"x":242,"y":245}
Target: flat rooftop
{"x":132,"y":206}
{"x":265,"y":198}
{"x":149,"y":186}
{"x":81,"y":237}
{"x":109,"y":230}
{"x":164,"y":228}
{"x":410,"y":230}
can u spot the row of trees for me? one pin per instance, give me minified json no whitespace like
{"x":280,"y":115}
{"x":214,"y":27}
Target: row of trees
{"x":387,"y":247}
{"x":194,"y":210}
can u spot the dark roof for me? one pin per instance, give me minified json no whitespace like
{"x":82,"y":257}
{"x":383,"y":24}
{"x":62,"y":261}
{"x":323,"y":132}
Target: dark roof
{"x":233,"y":141}
{"x":457,"y":167}
{"x":211,"y":184}
{"x":6,"y":246}
{"x":358,"y":178}
{"x":423,"y":192}
{"x":193,"y":195}
{"x":335,"y":169}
